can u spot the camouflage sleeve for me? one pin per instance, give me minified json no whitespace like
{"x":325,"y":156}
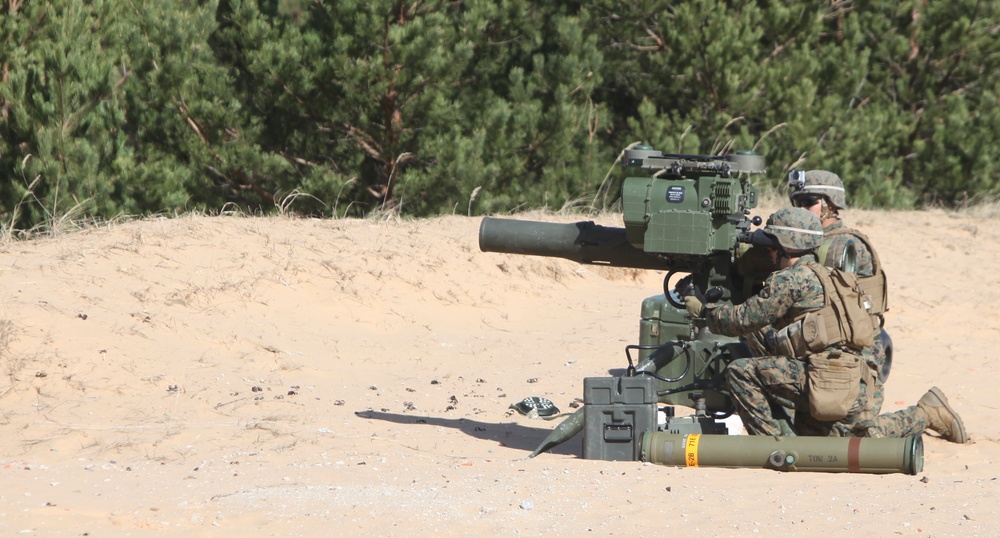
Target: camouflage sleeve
{"x":769,"y":305}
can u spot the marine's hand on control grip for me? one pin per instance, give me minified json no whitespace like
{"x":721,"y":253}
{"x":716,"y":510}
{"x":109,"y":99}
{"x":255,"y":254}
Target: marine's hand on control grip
{"x":694,"y":300}
{"x":694,"y":306}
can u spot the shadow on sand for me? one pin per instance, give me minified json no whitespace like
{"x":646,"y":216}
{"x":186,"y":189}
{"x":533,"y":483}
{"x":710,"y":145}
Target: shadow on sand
{"x":510,"y":435}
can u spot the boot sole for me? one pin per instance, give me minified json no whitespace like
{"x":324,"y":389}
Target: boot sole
{"x":959,"y":428}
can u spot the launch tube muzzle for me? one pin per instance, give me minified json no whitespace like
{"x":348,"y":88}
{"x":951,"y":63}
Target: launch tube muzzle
{"x":817,"y":454}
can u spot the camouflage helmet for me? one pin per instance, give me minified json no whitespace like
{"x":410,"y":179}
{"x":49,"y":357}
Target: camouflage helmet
{"x":820,"y":183}
{"x":790,"y":229}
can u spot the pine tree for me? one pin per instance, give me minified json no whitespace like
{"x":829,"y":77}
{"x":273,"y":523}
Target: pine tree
{"x":192,"y":144}
{"x":350,"y":107}
{"x":898,"y":98}
{"x":387,"y":104}
{"x":58,"y":110}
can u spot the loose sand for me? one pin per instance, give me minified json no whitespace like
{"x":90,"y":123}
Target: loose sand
{"x":226,"y":376}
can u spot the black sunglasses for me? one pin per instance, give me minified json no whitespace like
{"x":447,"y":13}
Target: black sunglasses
{"x":806,"y":200}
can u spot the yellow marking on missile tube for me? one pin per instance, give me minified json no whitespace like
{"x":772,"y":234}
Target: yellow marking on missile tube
{"x":691,"y":449}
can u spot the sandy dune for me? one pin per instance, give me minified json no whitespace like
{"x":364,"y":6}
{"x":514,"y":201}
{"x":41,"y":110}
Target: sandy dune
{"x":278,"y":377}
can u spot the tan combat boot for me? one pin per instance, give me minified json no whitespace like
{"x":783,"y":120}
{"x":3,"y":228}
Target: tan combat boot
{"x":941,"y":417}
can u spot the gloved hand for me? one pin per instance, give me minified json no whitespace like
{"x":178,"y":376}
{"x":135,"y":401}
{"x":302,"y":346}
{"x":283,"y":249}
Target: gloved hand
{"x":693,"y":306}
{"x":694,"y":301}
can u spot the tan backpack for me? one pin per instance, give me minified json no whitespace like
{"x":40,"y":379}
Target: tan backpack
{"x":844,"y":320}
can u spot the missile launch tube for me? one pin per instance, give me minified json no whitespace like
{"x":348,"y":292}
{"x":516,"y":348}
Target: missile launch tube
{"x":583,"y":242}
{"x":817,"y":454}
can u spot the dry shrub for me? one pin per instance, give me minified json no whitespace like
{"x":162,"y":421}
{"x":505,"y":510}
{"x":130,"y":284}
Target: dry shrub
{"x":982,"y":207}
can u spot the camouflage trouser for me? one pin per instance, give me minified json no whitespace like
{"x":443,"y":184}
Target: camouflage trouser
{"x":768,"y":391}
{"x":879,"y":354}
{"x":902,"y":423}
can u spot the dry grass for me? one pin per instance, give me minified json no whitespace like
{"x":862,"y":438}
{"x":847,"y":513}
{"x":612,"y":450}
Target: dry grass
{"x":603,"y":206}
{"x":7,"y":337}
{"x":982,"y":207}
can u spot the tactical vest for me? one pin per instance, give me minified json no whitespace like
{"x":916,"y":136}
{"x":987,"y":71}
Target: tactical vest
{"x":876,"y":285}
{"x":845,"y":319}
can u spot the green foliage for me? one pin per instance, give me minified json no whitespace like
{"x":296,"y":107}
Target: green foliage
{"x":195,"y":146}
{"x":412,"y":107}
{"x":350,"y":107}
{"x":880,"y":92}
{"x":59,"y":111}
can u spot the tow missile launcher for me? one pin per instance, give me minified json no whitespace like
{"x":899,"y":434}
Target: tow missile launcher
{"x":692,"y":212}
{"x":689,"y":216}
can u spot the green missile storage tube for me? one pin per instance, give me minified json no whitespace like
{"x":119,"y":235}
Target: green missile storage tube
{"x":817,"y":454}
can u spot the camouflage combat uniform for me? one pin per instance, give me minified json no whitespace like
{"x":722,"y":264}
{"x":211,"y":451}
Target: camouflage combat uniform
{"x":770,"y":391}
{"x":902,"y":423}
{"x":837,"y":241}
{"x":772,"y":388}
{"x":830,"y":187}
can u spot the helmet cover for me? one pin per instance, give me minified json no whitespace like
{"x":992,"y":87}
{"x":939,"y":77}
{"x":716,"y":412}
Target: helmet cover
{"x":819,"y":183}
{"x":793,"y":229}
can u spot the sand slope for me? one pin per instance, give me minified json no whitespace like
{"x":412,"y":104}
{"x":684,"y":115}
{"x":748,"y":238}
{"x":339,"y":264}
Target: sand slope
{"x":208,"y":376}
